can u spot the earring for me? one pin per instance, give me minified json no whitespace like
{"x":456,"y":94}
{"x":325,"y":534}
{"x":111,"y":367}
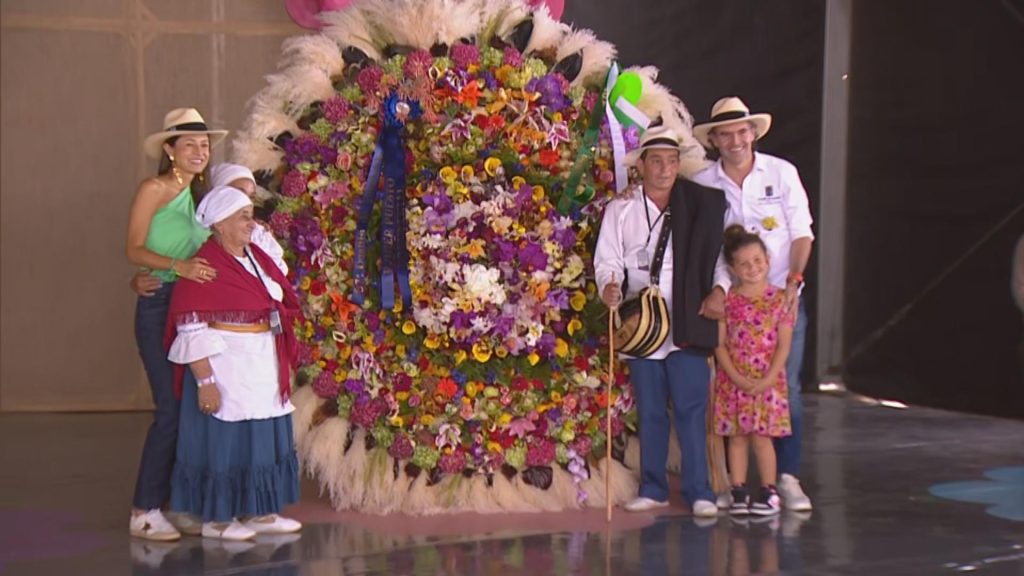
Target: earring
{"x":201,"y":177}
{"x":174,"y":169}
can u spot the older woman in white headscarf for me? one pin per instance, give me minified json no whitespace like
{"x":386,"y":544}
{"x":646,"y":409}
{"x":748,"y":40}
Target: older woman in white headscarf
{"x":236,"y":464}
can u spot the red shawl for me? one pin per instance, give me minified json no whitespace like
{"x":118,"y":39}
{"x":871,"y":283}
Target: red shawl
{"x":236,"y":296}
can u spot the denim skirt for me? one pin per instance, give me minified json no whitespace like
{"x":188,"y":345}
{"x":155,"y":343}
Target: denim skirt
{"x":224,"y":470}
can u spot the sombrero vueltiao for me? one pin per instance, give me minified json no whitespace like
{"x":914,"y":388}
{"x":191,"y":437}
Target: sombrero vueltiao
{"x":179,"y":122}
{"x":730,"y":110}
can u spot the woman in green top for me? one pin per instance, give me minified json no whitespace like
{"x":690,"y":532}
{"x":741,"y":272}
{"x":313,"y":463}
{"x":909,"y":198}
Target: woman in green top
{"x":162,"y":237}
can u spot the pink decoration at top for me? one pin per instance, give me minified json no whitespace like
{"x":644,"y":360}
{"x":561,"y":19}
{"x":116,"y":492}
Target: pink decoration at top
{"x":555,"y":7}
{"x":303,"y":12}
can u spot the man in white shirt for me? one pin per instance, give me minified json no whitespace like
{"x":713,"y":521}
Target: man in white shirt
{"x":678,"y":371}
{"x":765,"y":196}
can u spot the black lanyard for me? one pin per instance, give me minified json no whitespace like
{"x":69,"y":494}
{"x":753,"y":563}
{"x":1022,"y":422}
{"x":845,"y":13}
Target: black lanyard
{"x":650,"y":226}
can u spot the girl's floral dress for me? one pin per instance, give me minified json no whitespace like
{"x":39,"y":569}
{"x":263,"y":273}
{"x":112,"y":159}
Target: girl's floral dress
{"x":752,"y":334}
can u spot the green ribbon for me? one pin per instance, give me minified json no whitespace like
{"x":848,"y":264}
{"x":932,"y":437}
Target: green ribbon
{"x":578,"y":192}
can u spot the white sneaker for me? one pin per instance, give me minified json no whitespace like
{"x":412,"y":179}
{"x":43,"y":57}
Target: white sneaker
{"x":227,"y":531}
{"x":272,"y":524}
{"x":643,"y":504}
{"x":793,"y":497}
{"x":724,"y":500}
{"x":705,"y":509}
{"x":152,"y":526}
{"x":187,"y":524}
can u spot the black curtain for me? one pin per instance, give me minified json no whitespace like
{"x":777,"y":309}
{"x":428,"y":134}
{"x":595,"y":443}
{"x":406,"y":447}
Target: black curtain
{"x":770,"y":54}
{"x":934,"y":203}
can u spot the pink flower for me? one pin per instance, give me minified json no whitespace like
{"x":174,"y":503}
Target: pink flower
{"x":463,"y":55}
{"x":294,"y":184}
{"x":281,"y":225}
{"x":417,"y":64}
{"x":335,"y":109}
{"x":512,"y":57}
{"x":540,"y":453}
{"x":369,"y":79}
{"x":452,"y":463}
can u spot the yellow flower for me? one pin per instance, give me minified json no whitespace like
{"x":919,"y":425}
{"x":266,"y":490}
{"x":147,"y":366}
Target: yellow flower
{"x":491,"y":166}
{"x":401,"y":396}
{"x":533,"y":358}
{"x":471,"y":390}
{"x":466,"y":400}
{"x":574,"y":325}
{"x":326,"y":321}
{"x":400,"y":350}
{"x":432,"y":342}
{"x":448,"y":175}
{"x":561,"y":348}
{"x":481,"y":351}
{"x":505,"y":419}
{"x":769,"y":223}
{"x":460,"y":357}
{"x":517,"y":182}
{"x":556,"y":396}
{"x":305,"y":283}
{"x":408,"y":328}
{"x":494,"y":447}
{"x":427,"y":419}
{"x":538,"y":193}
{"x":578,"y":301}
{"x":542,"y":408}
{"x":467,"y":173}
{"x":369,"y":344}
{"x":396,"y":421}
{"x":501,"y":351}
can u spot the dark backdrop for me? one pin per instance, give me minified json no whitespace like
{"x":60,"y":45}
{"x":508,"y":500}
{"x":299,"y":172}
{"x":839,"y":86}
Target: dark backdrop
{"x":934,"y":203}
{"x":770,"y":54}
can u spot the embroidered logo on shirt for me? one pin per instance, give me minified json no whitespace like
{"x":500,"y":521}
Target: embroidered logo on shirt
{"x":768,"y":192}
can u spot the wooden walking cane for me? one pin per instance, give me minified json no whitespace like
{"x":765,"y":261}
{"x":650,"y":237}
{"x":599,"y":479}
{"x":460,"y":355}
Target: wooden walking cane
{"x":608,"y":412}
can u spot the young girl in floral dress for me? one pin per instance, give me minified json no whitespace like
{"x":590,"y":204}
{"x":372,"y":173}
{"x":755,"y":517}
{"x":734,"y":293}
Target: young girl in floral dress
{"x":751,"y":405}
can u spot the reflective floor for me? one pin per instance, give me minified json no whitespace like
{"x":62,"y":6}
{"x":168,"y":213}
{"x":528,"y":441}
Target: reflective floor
{"x":896,"y":492}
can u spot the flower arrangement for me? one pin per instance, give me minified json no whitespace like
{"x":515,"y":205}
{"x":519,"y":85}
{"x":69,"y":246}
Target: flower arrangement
{"x":494,"y":359}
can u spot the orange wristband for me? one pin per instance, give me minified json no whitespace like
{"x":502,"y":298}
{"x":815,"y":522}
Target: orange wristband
{"x":796,"y":278}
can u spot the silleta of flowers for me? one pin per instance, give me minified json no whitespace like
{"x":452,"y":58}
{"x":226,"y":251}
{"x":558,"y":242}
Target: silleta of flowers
{"x":491,"y":361}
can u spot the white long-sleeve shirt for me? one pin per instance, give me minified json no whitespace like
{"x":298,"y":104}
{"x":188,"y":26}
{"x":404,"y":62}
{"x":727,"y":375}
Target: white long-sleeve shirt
{"x":244,"y":364}
{"x":631,"y":227}
{"x":771,"y":194}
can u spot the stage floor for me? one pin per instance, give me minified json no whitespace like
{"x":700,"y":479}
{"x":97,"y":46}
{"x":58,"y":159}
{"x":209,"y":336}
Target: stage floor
{"x":896,"y":492}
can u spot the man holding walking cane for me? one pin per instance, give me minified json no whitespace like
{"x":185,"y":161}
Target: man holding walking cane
{"x":677,"y":371}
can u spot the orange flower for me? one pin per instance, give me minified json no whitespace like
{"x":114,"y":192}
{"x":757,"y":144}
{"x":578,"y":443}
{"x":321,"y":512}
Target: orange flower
{"x":548,"y":158}
{"x":447,"y":387}
{"x":469,"y":94}
{"x":343,"y":307}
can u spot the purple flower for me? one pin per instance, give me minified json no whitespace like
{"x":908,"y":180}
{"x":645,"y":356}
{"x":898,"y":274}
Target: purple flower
{"x":552,"y":91}
{"x":306,"y":235}
{"x":326,"y":386}
{"x":463,"y":55}
{"x":401,"y":447}
{"x":353,"y":386}
{"x":335,"y":109}
{"x":532,"y":256}
{"x":294,"y":184}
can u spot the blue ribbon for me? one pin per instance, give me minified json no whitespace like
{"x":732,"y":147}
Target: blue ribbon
{"x":388,"y":161}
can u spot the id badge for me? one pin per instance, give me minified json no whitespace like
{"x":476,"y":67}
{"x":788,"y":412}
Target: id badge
{"x":643,"y":261}
{"x":275,"y":322}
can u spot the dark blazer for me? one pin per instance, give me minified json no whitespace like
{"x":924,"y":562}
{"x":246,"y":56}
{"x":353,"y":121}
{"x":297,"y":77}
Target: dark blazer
{"x":698,"y":217}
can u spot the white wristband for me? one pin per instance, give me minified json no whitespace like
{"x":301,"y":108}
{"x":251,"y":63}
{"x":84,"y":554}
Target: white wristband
{"x":206,"y":381}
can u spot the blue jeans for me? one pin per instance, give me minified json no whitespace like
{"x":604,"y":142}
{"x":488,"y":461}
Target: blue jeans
{"x":787,"y":449}
{"x":153,"y":486}
{"x":682,"y":378}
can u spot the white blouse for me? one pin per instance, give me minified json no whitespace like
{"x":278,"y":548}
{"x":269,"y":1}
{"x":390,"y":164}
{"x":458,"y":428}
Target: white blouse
{"x":244,"y":364}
